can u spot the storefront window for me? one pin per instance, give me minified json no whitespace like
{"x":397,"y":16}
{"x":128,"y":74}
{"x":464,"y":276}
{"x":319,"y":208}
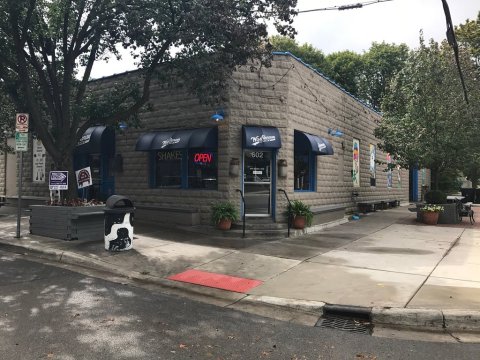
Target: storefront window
{"x":168,"y":169}
{"x":193,"y":169}
{"x":202,"y":169}
{"x":302,"y":171}
{"x":303,"y":165}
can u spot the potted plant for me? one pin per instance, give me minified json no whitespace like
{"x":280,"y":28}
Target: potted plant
{"x":300,"y":214}
{"x":430,"y":213}
{"x":223,"y":214}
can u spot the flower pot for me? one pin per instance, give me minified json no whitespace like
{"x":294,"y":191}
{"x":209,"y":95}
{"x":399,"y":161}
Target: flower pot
{"x":224,"y":224}
{"x":299,"y":222}
{"x":430,"y":218}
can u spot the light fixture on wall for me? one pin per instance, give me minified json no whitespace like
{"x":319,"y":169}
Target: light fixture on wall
{"x":218,"y":116}
{"x":335,"y":132}
{"x":234,"y":169}
{"x":123,"y":126}
{"x":282,"y":168}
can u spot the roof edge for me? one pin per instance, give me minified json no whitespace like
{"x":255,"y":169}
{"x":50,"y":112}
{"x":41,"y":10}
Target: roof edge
{"x":318,"y":72}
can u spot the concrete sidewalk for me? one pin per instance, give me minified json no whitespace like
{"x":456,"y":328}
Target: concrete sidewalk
{"x":402,"y":272}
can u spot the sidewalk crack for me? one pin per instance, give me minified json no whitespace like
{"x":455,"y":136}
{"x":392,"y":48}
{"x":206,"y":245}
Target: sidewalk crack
{"x":452,"y":245}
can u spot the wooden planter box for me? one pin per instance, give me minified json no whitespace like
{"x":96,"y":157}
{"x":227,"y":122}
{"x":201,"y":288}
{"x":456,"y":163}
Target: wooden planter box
{"x":68,"y":222}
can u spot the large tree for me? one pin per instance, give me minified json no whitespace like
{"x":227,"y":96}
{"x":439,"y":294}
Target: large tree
{"x":468,"y":34}
{"x":345,"y":68}
{"x":380,"y":65}
{"x":49,"y":47}
{"x":426,"y":121}
{"x":306,"y":52}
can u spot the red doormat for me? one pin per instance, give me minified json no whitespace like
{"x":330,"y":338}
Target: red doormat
{"x":218,"y":281}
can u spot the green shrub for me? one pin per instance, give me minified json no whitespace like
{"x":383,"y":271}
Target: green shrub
{"x":299,"y":208}
{"x":435,"y":197}
{"x":224,"y":210}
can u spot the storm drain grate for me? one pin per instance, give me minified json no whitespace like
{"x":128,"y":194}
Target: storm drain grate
{"x":345,"y":324}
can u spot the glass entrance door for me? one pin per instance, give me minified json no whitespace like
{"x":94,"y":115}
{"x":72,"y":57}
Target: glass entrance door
{"x":257,"y":182}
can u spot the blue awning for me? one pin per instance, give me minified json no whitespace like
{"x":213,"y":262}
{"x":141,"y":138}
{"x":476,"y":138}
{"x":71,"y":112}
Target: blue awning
{"x":178,"y":139}
{"x":97,"y":140}
{"x":256,"y":137}
{"x":318,"y":145}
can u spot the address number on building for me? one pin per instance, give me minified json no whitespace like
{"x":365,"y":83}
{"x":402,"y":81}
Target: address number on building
{"x":257,"y":155}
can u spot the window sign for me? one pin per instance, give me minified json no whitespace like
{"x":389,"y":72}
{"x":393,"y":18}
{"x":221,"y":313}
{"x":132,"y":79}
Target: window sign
{"x":203,"y":158}
{"x":202,"y":170}
{"x":169,"y":155}
{"x":356,"y":163}
{"x":373,"y":152}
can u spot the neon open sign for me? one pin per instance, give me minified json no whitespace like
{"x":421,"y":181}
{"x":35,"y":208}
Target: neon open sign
{"x":202,"y":158}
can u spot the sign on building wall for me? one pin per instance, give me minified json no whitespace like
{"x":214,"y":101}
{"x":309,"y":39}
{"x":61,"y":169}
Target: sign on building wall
{"x":84,"y":177}
{"x":389,"y":171}
{"x":39,"y":157}
{"x":399,"y":177}
{"x":356,"y":163}
{"x":373,"y":154}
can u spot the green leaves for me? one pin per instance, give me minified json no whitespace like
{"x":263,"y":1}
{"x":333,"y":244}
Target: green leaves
{"x":426,"y":121}
{"x":50,"y":47}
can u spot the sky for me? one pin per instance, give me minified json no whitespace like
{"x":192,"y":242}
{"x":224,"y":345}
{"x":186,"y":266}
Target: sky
{"x":395,"y":21}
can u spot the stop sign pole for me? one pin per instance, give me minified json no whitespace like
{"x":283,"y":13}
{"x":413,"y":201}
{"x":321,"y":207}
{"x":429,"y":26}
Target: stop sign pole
{"x":21,"y":145}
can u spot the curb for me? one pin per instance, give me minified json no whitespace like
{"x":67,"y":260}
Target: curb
{"x":422,"y":319}
{"x":309,"y":306}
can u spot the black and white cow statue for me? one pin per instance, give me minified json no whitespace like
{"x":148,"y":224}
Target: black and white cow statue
{"x":118,"y":231}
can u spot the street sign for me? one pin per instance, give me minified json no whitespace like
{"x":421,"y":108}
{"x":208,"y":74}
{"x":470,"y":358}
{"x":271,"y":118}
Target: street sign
{"x":21,"y":141}
{"x":21,"y":123}
{"x":58,"y":180}
{"x":84,"y":177}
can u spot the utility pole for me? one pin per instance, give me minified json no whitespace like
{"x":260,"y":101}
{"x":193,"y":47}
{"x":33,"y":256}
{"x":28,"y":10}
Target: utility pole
{"x":21,"y":145}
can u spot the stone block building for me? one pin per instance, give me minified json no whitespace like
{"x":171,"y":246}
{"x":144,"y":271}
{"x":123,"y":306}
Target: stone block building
{"x":285,"y":128}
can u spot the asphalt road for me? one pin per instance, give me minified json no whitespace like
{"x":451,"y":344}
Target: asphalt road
{"x":48,"y":312}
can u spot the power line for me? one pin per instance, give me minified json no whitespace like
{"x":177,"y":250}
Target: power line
{"x":345,"y":7}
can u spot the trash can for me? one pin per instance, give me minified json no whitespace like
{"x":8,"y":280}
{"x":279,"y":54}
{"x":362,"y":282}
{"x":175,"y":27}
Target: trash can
{"x":119,"y":213}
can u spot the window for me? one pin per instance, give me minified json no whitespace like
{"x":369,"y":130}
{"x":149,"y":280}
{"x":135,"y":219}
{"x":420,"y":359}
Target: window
{"x":193,"y":169}
{"x":168,"y":169}
{"x":304,"y":164}
{"x":202,"y":169}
